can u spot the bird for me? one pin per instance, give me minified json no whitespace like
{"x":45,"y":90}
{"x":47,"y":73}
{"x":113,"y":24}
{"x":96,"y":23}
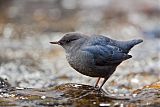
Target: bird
{"x":95,"y":55}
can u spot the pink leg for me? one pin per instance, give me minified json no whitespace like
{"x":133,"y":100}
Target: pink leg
{"x":97,"y":81}
{"x":105,"y":79}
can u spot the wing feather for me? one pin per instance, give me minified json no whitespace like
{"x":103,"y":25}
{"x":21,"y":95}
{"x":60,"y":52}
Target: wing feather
{"x":106,"y":55}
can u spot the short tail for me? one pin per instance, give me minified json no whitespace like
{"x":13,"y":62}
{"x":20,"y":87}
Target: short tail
{"x":135,"y":42}
{"x":132,"y":43}
{"x":127,"y":45}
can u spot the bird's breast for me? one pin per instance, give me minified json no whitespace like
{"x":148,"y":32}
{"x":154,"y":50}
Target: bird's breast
{"x":79,"y":63}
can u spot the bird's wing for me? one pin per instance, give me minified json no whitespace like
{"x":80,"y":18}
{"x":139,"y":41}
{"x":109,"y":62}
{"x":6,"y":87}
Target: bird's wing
{"x":106,"y":55}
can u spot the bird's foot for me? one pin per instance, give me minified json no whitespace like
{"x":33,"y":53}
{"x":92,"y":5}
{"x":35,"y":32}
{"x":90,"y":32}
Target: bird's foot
{"x":96,"y":88}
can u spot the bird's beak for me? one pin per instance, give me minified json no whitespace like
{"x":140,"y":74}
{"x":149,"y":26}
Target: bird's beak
{"x":57,"y":42}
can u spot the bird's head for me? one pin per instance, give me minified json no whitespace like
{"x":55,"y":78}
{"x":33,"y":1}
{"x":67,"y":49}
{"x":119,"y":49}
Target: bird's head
{"x":69,"y":40}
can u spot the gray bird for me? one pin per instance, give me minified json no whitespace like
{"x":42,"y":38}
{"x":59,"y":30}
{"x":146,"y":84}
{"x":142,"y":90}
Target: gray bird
{"x":96,"y":55}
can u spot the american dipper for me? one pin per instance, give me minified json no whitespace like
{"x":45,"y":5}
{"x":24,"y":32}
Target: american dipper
{"x":96,"y":55}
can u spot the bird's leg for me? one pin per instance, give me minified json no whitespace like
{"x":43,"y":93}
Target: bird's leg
{"x":105,"y":79}
{"x":97,"y":81}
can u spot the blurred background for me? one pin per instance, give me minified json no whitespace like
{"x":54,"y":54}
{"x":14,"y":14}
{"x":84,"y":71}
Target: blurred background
{"x":27,"y":26}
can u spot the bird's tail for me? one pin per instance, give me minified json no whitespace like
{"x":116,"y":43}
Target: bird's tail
{"x":134,"y":42}
{"x":127,"y":45}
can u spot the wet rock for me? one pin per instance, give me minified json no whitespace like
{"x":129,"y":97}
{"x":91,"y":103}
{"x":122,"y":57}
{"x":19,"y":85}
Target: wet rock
{"x":71,"y":94}
{"x":65,"y":94}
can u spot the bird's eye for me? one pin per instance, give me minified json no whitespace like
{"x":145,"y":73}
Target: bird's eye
{"x":68,"y":41}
